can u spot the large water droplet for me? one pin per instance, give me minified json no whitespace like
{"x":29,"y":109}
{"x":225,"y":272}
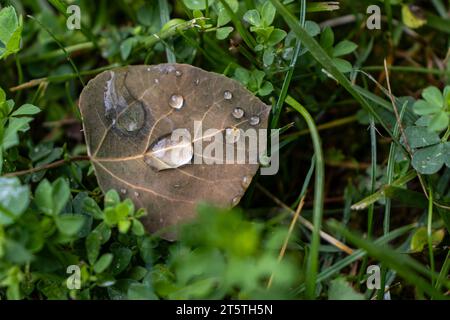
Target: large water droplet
{"x":178,"y":73}
{"x":227,"y":95}
{"x":238,"y":113}
{"x":136,"y":194}
{"x":176,"y":101}
{"x":254,"y":120}
{"x":172,"y":151}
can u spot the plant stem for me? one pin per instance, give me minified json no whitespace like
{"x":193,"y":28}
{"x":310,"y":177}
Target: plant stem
{"x":430,"y":233}
{"x":288,"y":77}
{"x":47,"y":166}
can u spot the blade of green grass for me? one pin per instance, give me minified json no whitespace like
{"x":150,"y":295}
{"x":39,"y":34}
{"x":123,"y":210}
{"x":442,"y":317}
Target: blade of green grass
{"x":444,"y":272}
{"x":388,"y":203}
{"x":430,"y":232}
{"x":164,"y":16}
{"x":313,"y":257}
{"x":288,"y":77}
{"x":373,"y":178}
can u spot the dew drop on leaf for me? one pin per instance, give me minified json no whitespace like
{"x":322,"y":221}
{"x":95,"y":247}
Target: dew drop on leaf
{"x":246,"y":181}
{"x":171,"y":151}
{"x":176,"y":101}
{"x":254,"y":120}
{"x":238,"y":113}
{"x":227,"y":95}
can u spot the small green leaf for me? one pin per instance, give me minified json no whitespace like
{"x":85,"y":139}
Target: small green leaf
{"x":139,"y":291}
{"x":410,"y":19}
{"x":122,"y":258}
{"x":266,"y":89}
{"x":197,"y":4}
{"x":312,"y":28}
{"x":14,"y":199}
{"x":343,"y":65}
{"x":60,"y":194}
{"x":93,"y":243}
{"x":104,"y":231}
{"x":43,"y":197}
{"x":137,"y":228}
{"x":223,"y":33}
{"x":10,"y":31}
{"x":103,"y":262}
{"x":429,"y":160}
{"x":439,"y":121}
{"x":253,"y":17}
{"x":112,"y":198}
{"x":420,"y":239}
{"x":327,"y":38}
{"x":70,"y":224}
{"x":222,"y":14}
{"x":138,"y":272}
{"x":15,"y":125}
{"x":125,"y":48}
{"x":26,"y":109}
{"x":242,"y":75}
{"x":90,"y":206}
{"x":422,"y":107}
{"x":421,"y":137}
{"x":433,"y":96}
{"x":268,"y":57}
{"x":111,"y":216}
{"x":2,"y":96}
{"x":341,"y":290}
{"x":268,"y":13}
{"x":447,"y":153}
{"x":343,"y":48}
{"x":124,"y":226}
{"x":276,"y":36}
